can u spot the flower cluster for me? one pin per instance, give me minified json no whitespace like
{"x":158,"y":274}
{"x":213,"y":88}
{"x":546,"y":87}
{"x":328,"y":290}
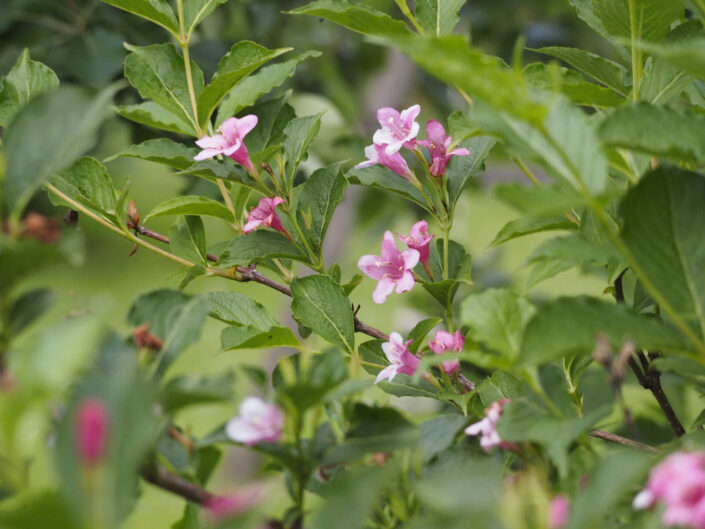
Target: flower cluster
{"x":487,"y":427}
{"x":679,"y":483}
{"x":399,"y":129}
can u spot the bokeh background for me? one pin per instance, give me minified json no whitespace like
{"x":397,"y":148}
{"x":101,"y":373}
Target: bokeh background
{"x":82,"y":41}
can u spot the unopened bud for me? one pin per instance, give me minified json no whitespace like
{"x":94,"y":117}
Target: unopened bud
{"x":91,"y":430}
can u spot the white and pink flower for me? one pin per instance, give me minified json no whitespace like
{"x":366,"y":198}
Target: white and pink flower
{"x":399,"y":129}
{"x":487,"y":427}
{"x":258,"y":422}
{"x":230,"y":142}
{"x":393,"y":269}
{"x":265,"y":215}
{"x":400,"y":358}
{"x":419,"y":240}
{"x":444,"y":341}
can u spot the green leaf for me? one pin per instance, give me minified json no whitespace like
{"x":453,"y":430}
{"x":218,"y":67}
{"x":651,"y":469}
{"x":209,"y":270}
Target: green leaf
{"x":661,"y":217}
{"x":250,"y":89}
{"x":242,"y":59}
{"x":89,"y":183}
{"x":246,"y":337}
{"x":195,"y":11}
{"x":317,"y":199}
{"x":258,"y":246}
{"x":688,"y":54}
{"x":438,"y":434}
{"x":357,"y":17}
{"x":663,"y":82}
{"x":653,"y":18}
{"x":613,"y":481}
{"x":164,"y":151}
{"x":238,"y":309}
{"x":152,"y":115}
{"x":419,"y":332}
{"x":524,"y":421}
{"x":157,"y":11}
{"x":656,"y":130}
{"x":26,"y":80}
{"x":571,"y":325}
{"x":187,"y":239}
{"x":566,"y":145}
{"x":299,"y":133}
{"x":587,"y":14}
{"x":158,"y":73}
{"x":461,"y":168}
{"x":64,"y":122}
{"x":351,"y":499}
{"x":319,"y":303}
{"x":438,"y":17}
{"x":572,"y":85}
{"x":539,"y":200}
{"x":191,"y":205}
{"x":563,"y":253}
{"x":497,"y":318}
{"x":27,"y":308}
{"x":605,"y":71}
{"x":529,"y":224}
{"x":459,"y":267}
{"x":188,"y":390}
{"x":453,"y":61}
{"x":371,"y":430}
{"x":383,"y":178}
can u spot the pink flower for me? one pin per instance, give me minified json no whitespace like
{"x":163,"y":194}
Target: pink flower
{"x":487,"y":427}
{"x":445,"y":341}
{"x":419,"y":239}
{"x":398,"y":128}
{"x":265,"y":215}
{"x":400,"y":358}
{"x":230,"y":142}
{"x":376,"y":155}
{"x":679,"y":482}
{"x":438,"y":144}
{"x":258,"y":422}
{"x":392,"y":269}
{"x":558,"y":512}
{"x":222,"y":507}
{"x":91,"y":430}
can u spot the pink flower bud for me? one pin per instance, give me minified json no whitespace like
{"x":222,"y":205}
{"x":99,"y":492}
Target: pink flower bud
{"x":222,"y":507}
{"x":558,"y":512}
{"x":91,"y":430}
{"x":445,"y":341}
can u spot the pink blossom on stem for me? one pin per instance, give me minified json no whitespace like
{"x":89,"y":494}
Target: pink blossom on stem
{"x":679,"y":482}
{"x":558,"y":512}
{"x":230,"y":142}
{"x":398,"y":128}
{"x":258,"y":422}
{"x":445,"y":341}
{"x":392,"y":269}
{"x":222,"y":507}
{"x":91,"y":430}
{"x":265,"y":215}
{"x":438,"y":144}
{"x":400,"y":358}
{"x":487,"y":427}
{"x":419,"y":239}
{"x":376,"y":155}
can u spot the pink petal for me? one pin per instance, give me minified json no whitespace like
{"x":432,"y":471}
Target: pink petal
{"x":388,"y":372}
{"x":371,"y":265}
{"x":212,"y":142}
{"x":243,"y":431}
{"x":206,"y":153}
{"x":390,"y":252}
{"x":251,"y":226}
{"x":459,"y":152}
{"x":387,"y":115}
{"x":246,"y":124}
{"x":410,"y":258}
{"x":385,"y":137}
{"x":406,"y":282}
{"x":410,"y":114}
{"x":435,"y":132}
{"x":384,"y":288}
{"x":362,"y":165}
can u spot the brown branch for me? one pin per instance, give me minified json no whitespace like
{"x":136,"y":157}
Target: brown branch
{"x":162,"y":478}
{"x":141,"y":230}
{"x":648,"y":376}
{"x":614,"y":438}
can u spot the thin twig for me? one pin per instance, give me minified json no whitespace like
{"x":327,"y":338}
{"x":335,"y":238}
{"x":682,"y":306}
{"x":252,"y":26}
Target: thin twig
{"x":648,"y":376}
{"x":614,"y":438}
{"x":162,"y":478}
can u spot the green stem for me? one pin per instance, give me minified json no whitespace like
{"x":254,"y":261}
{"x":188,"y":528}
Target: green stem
{"x":404,"y":7}
{"x":130,"y":237}
{"x":316,"y":262}
{"x":525,"y":169}
{"x":636,"y":52}
{"x":446,"y":244}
